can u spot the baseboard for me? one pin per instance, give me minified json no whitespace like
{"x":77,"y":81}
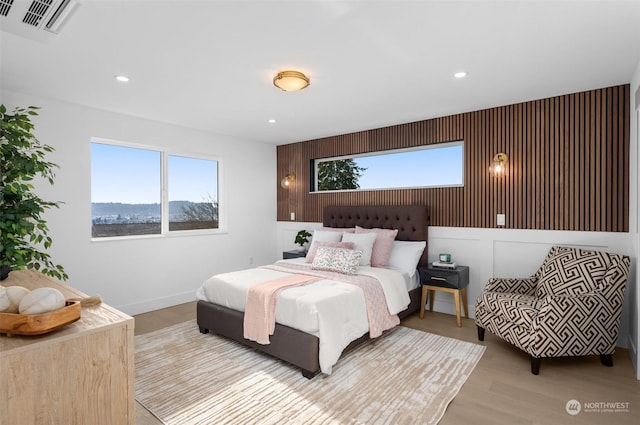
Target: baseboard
{"x":450,"y":308}
{"x":633,"y":352}
{"x":623,"y":341}
{"x":157,"y":303}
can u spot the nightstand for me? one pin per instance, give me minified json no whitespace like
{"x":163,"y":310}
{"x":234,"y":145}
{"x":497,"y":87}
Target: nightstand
{"x":454,"y":281}
{"x":293,"y":254}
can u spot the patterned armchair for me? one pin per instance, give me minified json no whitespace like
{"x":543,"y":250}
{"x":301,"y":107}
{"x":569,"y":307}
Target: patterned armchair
{"x":570,"y":307}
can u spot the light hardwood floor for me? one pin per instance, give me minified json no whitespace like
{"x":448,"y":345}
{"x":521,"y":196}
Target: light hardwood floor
{"x":501,"y":389}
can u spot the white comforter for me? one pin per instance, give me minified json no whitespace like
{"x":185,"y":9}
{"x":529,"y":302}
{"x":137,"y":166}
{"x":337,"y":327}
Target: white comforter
{"x":333,"y":311}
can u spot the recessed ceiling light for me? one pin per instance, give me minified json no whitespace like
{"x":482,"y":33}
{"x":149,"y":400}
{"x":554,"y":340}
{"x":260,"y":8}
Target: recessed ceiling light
{"x":122,"y":78}
{"x":460,"y":74}
{"x":272,"y":121}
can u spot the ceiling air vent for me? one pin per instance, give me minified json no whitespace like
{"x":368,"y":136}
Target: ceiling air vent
{"x":30,"y":18}
{"x":60,"y":16}
{"x":37,"y":10}
{"x":5,"y":6}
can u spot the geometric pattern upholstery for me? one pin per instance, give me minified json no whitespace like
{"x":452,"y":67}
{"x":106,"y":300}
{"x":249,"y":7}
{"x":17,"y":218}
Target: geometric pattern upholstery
{"x":570,"y":307}
{"x":572,"y":271}
{"x":515,"y":308}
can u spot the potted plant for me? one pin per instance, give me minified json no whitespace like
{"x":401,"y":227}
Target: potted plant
{"x":302,"y":238}
{"x":23,"y":231}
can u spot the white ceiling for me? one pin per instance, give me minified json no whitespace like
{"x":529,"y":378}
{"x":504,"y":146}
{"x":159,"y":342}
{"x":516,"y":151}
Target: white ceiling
{"x":209,"y":64}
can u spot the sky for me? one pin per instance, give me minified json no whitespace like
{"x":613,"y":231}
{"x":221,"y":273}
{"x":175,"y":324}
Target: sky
{"x":132,"y":176}
{"x":440,"y":166}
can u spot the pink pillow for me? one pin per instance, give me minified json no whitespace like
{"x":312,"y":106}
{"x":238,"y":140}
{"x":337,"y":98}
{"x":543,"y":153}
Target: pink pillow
{"x":312,"y":252}
{"x":382,"y":246}
{"x":340,"y":229}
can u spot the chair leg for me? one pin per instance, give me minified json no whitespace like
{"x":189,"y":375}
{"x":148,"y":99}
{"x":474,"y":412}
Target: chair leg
{"x":480,"y":333}
{"x":535,"y":365}
{"x":606,"y":359}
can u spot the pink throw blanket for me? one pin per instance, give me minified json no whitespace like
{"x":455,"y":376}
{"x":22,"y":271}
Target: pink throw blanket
{"x":377,"y":310}
{"x":260,"y":309}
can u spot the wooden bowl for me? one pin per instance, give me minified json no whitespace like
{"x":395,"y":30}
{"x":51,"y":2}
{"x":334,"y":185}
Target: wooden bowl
{"x":38,"y":324}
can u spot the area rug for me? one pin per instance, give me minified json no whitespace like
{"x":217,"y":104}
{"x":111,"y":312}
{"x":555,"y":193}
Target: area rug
{"x":404,"y":377}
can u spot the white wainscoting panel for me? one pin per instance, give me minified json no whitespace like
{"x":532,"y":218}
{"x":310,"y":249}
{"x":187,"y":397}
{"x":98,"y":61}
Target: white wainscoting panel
{"x":495,"y":253}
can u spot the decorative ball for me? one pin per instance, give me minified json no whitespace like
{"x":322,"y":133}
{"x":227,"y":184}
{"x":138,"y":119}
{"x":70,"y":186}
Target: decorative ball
{"x":10,"y":298}
{"x":42,"y":300}
{"x":4,"y":299}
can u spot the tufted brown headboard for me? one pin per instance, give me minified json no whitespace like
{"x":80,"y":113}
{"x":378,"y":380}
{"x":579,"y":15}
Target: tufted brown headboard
{"x":411,"y":220}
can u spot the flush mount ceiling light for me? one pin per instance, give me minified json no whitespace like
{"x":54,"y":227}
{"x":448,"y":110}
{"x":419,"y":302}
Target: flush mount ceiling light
{"x":122,"y":78}
{"x":460,"y":74}
{"x":291,"y":80}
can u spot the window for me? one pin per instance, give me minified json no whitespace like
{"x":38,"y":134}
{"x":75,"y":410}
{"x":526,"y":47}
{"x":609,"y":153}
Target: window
{"x":428,"y":166}
{"x":127,"y":196}
{"x":193,"y":200}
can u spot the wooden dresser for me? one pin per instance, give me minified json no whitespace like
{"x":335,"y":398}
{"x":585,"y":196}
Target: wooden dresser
{"x":80,"y":374}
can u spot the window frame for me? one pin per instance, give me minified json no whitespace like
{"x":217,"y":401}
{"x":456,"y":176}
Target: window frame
{"x":314,"y":178}
{"x":164,"y":191}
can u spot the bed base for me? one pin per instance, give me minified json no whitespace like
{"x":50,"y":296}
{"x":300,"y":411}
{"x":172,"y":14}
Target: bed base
{"x":291,"y":345}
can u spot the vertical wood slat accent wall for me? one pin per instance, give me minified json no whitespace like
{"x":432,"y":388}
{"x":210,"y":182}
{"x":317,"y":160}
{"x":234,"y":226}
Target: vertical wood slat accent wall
{"x":568,"y":165}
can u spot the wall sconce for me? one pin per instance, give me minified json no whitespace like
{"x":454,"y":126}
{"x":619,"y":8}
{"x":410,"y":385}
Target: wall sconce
{"x":499,"y":164}
{"x":287,"y":180}
{"x":291,"y":80}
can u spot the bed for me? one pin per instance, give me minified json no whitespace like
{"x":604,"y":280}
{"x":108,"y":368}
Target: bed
{"x":298,"y":347}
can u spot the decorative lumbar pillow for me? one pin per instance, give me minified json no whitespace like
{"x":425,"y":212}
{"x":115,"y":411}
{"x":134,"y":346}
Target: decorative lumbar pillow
{"x":382,"y":245}
{"x":312,"y":252}
{"x":10,"y":298}
{"x":405,"y":256}
{"x":363,"y":242}
{"x":42,"y":300}
{"x":339,"y":260}
{"x":323,"y":236}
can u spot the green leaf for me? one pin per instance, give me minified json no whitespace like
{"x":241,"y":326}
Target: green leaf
{"x":22,"y":229}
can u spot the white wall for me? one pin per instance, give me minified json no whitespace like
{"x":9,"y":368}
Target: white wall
{"x":140,"y":275}
{"x":495,"y":253}
{"x":634,"y":219}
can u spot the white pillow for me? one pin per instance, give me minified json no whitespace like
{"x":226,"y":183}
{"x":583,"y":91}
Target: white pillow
{"x":339,"y":260}
{"x":405,"y":256}
{"x":363,"y":242}
{"x":322,"y":236}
